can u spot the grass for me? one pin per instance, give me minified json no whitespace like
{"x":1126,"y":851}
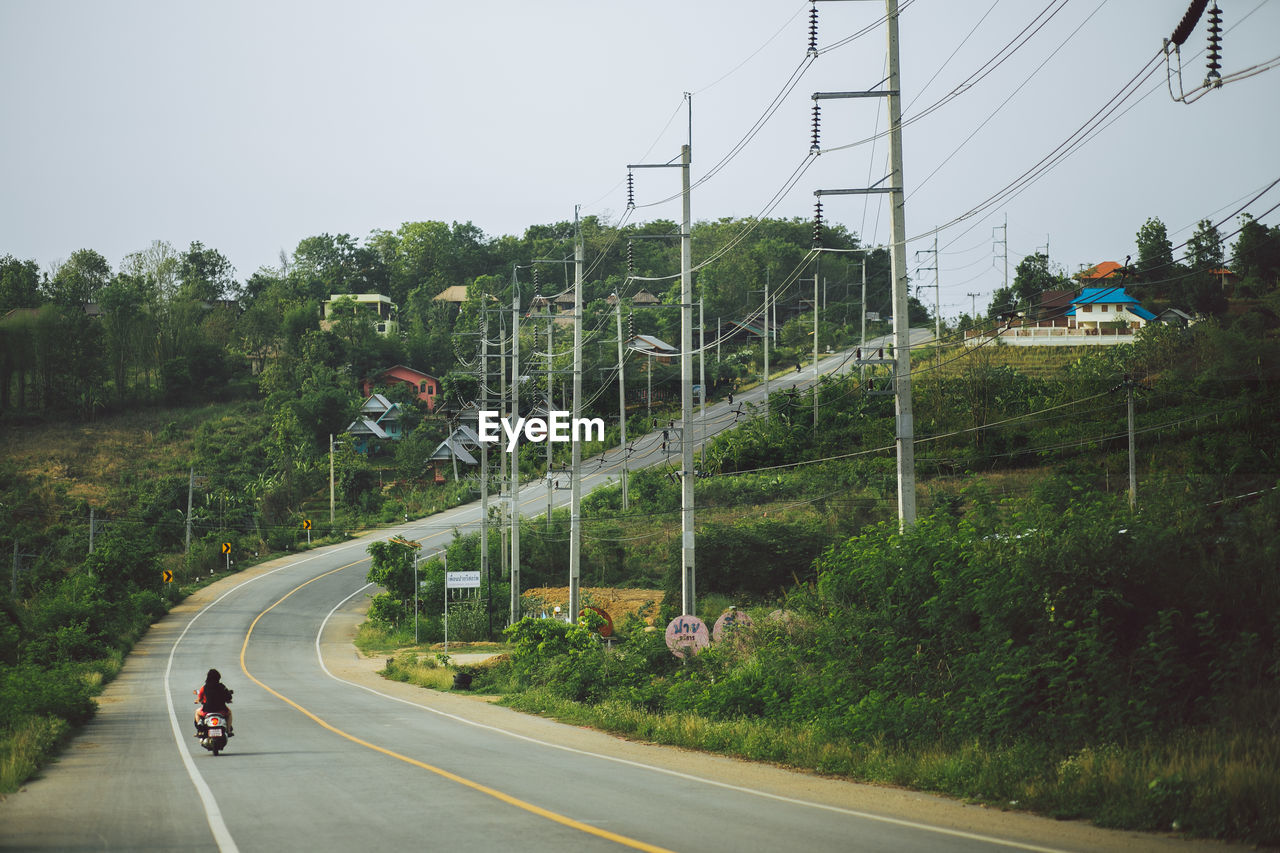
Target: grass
{"x":1203,"y":783}
{"x":27,"y":746}
{"x":423,"y":671}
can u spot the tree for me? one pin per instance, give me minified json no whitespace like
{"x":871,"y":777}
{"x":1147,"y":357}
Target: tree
{"x":79,"y":280}
{"x":1201,"y":288}
{"x":1155,"y":252}
{"x":1032,"y":278}
{"x":1256,"y":254}
{"x":205,"y":275}
{"x":19,"y":284}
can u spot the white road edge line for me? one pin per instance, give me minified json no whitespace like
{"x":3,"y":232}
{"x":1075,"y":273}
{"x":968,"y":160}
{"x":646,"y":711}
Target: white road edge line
{"x":909,"y":824}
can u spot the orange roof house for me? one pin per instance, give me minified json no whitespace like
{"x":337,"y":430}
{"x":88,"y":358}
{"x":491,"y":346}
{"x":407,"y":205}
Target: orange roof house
{"x":425,"y":386}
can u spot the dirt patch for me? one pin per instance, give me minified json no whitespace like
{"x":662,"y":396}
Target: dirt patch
{"x":617,"y":602}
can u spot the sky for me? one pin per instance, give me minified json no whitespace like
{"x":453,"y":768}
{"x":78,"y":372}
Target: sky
{"x":249,"y":126}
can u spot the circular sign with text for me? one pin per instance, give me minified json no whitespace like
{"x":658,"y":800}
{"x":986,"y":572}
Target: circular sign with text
{"x":687,"y":635}
{"x":730,"y":620}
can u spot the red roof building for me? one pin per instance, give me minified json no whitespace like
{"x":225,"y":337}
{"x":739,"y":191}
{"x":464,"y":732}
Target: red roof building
{"x":426,"y":387}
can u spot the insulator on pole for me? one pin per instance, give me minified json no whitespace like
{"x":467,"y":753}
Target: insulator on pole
{"x":1188,"y":22}
{"x":537,"y":288}
{"x":817,"y":124}
{"x":631,"y":261}
{"x":1213,"y":78}
{"x":631,"y":190}
{"x":813,"y":28}
{"x":817,"y":223}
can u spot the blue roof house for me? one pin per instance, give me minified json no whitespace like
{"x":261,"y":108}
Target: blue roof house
{"x":1107,"y":310}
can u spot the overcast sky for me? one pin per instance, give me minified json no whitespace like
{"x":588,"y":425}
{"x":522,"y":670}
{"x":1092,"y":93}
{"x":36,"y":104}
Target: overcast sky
{"x":251,"y":125}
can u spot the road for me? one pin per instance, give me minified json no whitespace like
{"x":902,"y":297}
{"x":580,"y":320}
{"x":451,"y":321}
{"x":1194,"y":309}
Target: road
{"x":329,"y":757}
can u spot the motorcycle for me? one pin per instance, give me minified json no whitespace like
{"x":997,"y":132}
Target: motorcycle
{"x":213,"y":729}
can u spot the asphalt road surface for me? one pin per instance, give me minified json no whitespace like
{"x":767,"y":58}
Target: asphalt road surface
{"x":329,"y":757}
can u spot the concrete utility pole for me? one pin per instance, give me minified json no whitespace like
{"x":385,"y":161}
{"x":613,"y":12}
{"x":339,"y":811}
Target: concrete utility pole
{"x":905,"y":431}
{"x":815,"y":352}
{"x":686,"y":392}
{"x":687,"y":585}
{"x":1133,"y":465}
{"x":622,"y":397}
{"x":550,"y":460}
{"x":484,"y":447}
{"x":575,"y":482}
{"x":502,"y":467}
{"x":862,"y":341}
{"x":702,"y":368}
{"x":515,"y":448}
{"x":332,"y":503}
{"x":766,"y":341}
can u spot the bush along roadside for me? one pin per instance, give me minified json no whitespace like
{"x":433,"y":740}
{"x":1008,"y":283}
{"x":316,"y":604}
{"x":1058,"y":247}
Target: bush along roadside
{"x":1058,"y":654}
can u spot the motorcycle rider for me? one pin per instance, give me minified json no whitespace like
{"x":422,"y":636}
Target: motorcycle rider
{"x":213,"y":696}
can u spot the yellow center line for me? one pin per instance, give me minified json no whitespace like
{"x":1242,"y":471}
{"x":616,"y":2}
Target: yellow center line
{"x":439,"y":771}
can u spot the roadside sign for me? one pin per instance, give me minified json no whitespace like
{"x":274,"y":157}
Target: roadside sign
{"x":167,"y":575}
{"x":226,"y":547}
{"x":687,"y":635}
{"x":462,"y":580}
{"x":729,"y":620}
{"x":306,"y":524}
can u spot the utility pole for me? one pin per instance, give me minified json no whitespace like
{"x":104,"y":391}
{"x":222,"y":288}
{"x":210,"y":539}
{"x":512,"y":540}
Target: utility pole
{"x":1004,"y":243}
{"x":973,"y":305}
{"x":937,"y":298}
{"x":904,"y":429}
{"x":686,"y":391}
{"x":484,"y":452}
{"x":191,"y":487}
{"x":502,"y":468}
{"x":1133,"y":467}
{"x":862,"y":342}
{"x":550,"y":355}
{"x":575,"y":477}
{"x":815,"y":352}
{"x":766,"y":341}
{"x":515,"y":448}
{"x":702,"y":368}
{"x":622,"y":396}
{"x":332,"y":503}
{"x":687,"y":551}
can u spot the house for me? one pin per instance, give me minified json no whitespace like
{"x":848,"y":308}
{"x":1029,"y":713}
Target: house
{"x":642,"y":299}
{"x":380,"y":309}
{"x":1174,"y":317}
{"x":750,"y":331}
{"x":379,"y":418}
{"x":1107,"y":308}
{"x":1095,"y":316}
{"x":456,"y":447}
{"x":425,"y":386}
{"x":457,"y":294}
{"x":1099,"y":272}
{"x":653,"y":347}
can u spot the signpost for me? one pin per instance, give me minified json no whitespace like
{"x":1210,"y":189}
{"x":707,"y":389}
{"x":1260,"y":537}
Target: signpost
{"x":456,"y":580}
{"x":226,"y":552}
{"x":687,"y":635}
{"x":729,"y":621}
{"x":306,"y":525}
